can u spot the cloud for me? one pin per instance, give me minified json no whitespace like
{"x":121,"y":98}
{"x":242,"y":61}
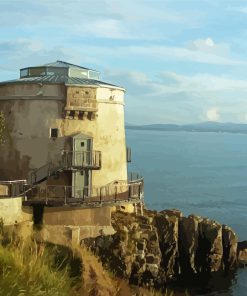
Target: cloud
{"x":242,"y":9}
{"x":201,"y":82}
{"x":141,"y":11}
{"x":13,"y":46}
{"x":172,"y":97}
{"x":102,"y":19}
{"x":20,"y":53}
{"x":202,"y":85}
{"x":164,"y":53}
{"x":212,"y":114}
{"x":23,"y":52}
{"x":107,"y":28}
{"x":209,"y":46}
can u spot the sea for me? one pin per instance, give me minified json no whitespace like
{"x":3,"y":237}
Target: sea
{"x":202,"y":173}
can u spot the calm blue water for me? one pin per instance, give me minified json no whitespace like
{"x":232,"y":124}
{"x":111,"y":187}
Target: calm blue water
{"x":200,"y":173}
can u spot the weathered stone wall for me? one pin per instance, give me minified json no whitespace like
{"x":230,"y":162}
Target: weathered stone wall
{"x":4,"y":190}
{"x":12,"y":212}
{"x":31,"y":110}
{"x":76,"y":216}
{"x":32,"y":91}
{"x":67,"y":235}
{"x":66,"y":226}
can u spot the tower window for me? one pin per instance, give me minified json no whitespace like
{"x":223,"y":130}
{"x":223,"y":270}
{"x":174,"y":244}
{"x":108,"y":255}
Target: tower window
{"x":54,"y":132}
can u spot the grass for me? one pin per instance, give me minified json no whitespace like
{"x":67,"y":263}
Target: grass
{"x":29,"y":269}
{"x":36,"y":269}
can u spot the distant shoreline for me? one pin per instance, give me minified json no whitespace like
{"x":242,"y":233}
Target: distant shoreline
{"x":201,"y":127}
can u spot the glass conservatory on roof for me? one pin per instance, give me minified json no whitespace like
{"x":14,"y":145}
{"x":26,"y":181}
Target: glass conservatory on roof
{"x":59,"y":68}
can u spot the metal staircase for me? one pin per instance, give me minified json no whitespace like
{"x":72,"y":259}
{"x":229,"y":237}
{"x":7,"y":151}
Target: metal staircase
{"x":41,"y":174}
{"x":70,"y":160}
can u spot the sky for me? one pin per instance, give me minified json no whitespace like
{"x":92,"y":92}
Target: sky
{"x":180,"y":61}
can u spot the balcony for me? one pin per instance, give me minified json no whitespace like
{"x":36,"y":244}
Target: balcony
{"x":116,"y":193}
{"x":81,"y":160}
{"x":56,"y":195}
{"x":12,"y":188}
{"x":134,"y":177}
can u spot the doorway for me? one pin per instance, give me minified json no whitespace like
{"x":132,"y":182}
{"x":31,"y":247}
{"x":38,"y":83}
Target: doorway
{"x":81,"y":178}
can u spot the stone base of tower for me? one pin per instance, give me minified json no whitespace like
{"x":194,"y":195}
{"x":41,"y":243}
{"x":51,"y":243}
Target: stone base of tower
{"x":16,"y":220}
{"x":69,"y":225}
{"x":12,"y":212}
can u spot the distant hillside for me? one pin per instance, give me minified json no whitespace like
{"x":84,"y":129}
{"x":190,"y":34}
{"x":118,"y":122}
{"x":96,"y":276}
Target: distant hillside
{"x":198,"y":127}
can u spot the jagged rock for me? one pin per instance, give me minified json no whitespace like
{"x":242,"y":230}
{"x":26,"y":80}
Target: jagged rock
{"x":188,"y":243}
{"x":196,"y":217}
{"x":167,"y":229}
{"x":172,"y":212}
{"x":153,"y":251}
{"x":146,"y":227}
{"x":230,"y":243}
{"x":210,"y":250}
{"x":242,"y":253}
{"x":141,"y":245}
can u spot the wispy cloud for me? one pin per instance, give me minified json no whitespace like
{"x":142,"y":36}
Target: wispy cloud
{"x":141,"y":11}
{"x":177,"y":59}
{"x":108,"y":28}
{"x":242,"y":9}
{"x":212,"y":114}
{"x":184,"y":54}
{"x":209,"y":46}
{"x":103,"y":19}
{"x":173,"y":97}
{"x":17,"y":45}
{"x":201,"y":83}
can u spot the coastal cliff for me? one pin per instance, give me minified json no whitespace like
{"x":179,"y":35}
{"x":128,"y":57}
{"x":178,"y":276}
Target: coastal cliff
{"x":164,"y":247}
{"x":158,"y":250}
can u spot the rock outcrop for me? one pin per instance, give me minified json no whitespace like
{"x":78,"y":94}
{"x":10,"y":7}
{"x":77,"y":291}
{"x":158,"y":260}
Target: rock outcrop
{"x":161,"y":247}
{"x":230,"y":244}
{"x":242,"y":253}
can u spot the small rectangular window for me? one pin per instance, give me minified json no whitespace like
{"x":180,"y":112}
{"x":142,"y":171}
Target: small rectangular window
{"x":24,"y":73}
{"x":54,"y":132}
{"x":39,"y":71}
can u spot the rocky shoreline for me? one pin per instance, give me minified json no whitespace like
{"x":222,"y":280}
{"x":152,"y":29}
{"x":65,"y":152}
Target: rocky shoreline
{"x":159,"y":248}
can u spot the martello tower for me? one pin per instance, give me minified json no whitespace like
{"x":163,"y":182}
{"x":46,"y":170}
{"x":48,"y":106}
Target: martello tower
{"x":63,"y":127}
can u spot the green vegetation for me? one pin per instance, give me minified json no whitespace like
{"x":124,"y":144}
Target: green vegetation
{"x":28,"y":269}
{"x":42,"y":269}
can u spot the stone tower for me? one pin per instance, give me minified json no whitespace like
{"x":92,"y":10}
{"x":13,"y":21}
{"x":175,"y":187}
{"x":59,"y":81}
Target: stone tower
{"x":63,"y":155}
{"x":61,"y":117}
